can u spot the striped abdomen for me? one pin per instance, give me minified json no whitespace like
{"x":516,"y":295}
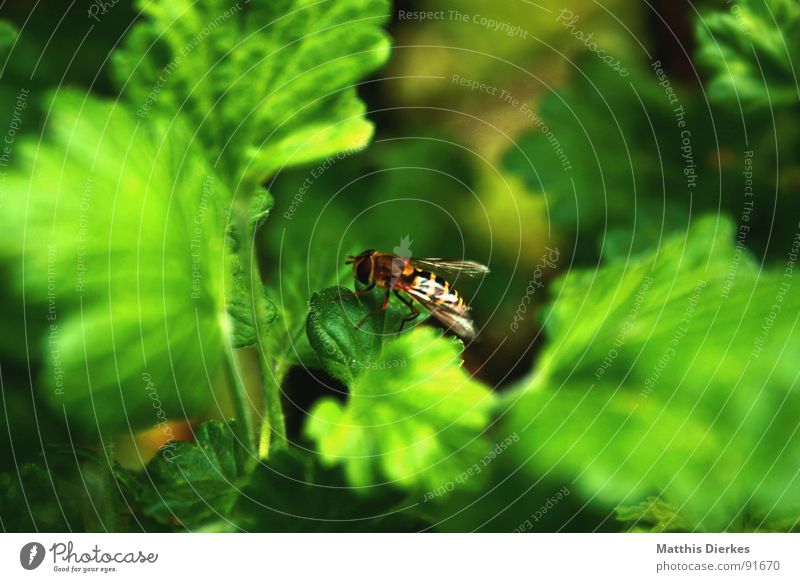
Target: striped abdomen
{"x":435,"y":288}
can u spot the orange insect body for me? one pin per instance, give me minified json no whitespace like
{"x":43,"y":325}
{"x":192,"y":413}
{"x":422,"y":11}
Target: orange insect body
{"x":417,"y":279}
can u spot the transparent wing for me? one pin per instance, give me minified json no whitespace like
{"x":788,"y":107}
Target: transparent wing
{"x":451,"y":269}
{"x":459,"y":323}
{"x":456,"y":319}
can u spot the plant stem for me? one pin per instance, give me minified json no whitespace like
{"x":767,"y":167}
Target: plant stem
{"x":273,"y":421}
{"x":244,"y":422}
{"x":273,"y":429}
{"x":106,"y":460}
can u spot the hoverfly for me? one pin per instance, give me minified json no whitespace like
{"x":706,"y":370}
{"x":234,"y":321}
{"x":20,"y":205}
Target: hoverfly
{"x":420,"y":280}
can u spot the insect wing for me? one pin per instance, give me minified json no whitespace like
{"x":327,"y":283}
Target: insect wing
{"x":460,"y":323}
{"x":451,"y":269}
{"x":457,"y":319}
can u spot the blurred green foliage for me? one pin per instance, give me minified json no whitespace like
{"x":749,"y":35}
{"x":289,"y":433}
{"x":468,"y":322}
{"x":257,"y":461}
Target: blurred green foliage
{"x":673,"y":382}
{"x":751,"y":51}
{"x":73,"y":215}
{"x":601,"y":168}
{"x":189,"y":484}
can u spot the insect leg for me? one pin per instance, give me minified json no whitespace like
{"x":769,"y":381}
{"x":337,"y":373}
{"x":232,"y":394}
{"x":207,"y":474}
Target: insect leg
{"x":414,"y":311}
{"x":354,"y":293}
{"x":404,"y":300}
{"x":377,"y":311}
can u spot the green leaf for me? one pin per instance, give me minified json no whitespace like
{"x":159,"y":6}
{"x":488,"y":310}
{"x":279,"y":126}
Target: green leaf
{"x":668,"y":376}
{"x":345,"y":350}
{"x":260,"y":207}
{"x":751,"y":50}
{"x":653,"y":515}
{"x":69,"y":489}
{"x":271,"y":82}
{"x":241,"y":309}
{"x":294,"y":493}
{"x":116,"y":234}
{"x":30,"y":501}
{"x":414,"y":417}
{"x":193,"y":483}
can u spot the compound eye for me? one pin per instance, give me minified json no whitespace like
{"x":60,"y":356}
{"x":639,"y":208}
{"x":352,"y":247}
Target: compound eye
{"x":364,"y":270}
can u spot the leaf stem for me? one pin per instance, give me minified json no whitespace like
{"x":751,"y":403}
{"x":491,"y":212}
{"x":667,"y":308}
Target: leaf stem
{"x":273,"y":428}
{"x":273,"y":423}
{"x":109,"y":482}
{"x":244,"y":422}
